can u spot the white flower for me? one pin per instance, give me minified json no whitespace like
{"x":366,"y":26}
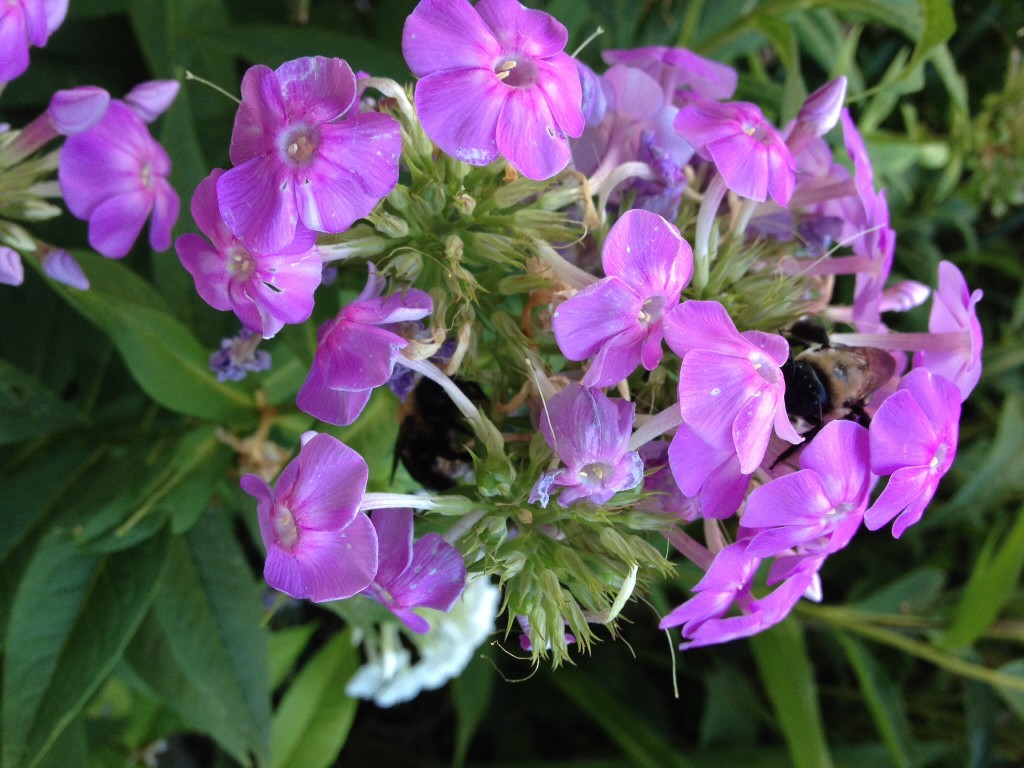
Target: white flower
{"x":390,"y":677}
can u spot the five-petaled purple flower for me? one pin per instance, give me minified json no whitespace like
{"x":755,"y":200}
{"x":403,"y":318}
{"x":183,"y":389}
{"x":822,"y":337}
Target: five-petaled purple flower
{"x":114,"y":175}
{"x":589,"y":432}
{"x":304,"y":153}
{"x":427,"y":573}
{"x":494,"y":80}
{"x":355,"y":354}
{"x":320,"y":546}
{"x":618,"y":320}
{"x":265,"y":290}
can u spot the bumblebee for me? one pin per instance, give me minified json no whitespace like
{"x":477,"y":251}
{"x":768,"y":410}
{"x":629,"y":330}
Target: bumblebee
{"x":434,"y":441}
{"x":826,"y":382}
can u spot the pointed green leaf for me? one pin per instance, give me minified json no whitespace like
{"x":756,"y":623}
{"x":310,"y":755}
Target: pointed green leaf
{"x":315,"y":715}
{"x":56,"y":658}
{"x":163,"y":356}
{"x":29,"y":410}
{"x":788,"y":678}
{"x":203,"y":650}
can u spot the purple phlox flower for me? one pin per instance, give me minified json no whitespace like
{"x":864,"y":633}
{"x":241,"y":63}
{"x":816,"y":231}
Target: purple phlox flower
{"x":320,"y":546}
{"x":710,"y":474}
{"x":494,"y":80}
{"x":820,"y":507}
{"x":913,"y":439}
{"x":637,"y":126}
{"x":151,"y":99}
{"x":61,"y":266}
{"x":524,"y":638}
{"x":618,"y":320}
{"x":114,"y":175}
{"x":427,"y":573}
{"x":818,"y":115}
{"x":304,"y":153}
{"x":681,"y":73}
{"x":746,"y":149}
{"x":954,"y":312}
{"x":239,"y":356}
{"x":69,"y":112}
{"x":666,"y":497}
{"x":12,"y":271}
{"x":727,"y":584}
{"x":589,"y":432}
{"x":264,"y":290}
{"x":355,"y":355}
{"x":731,"y":388}
{"x":24,"y":23}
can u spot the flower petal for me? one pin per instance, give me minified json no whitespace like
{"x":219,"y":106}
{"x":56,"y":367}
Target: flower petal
{"x":459,"y":111}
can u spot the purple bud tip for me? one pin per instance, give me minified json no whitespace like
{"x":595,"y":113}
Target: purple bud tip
{"x":76,"y":110}
{"x":820,"y":112}
{"x":151,"y":99}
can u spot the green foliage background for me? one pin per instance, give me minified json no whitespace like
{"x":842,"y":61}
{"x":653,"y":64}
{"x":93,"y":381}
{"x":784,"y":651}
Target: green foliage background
{"x":130,"y":605}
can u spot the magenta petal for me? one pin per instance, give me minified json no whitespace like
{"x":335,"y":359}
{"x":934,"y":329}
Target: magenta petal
{"x":648,"y":253}
{"x":752,"y":429}
{"x":357,"y":356}
{"x":13,"y":44}
{"x":334,"y":406}
{"x":394,"y":538}
{"x":330,"y":484}
{"x":712,"y":388}
{"x":207,"y":268}
{"x":442,"y":35}
{"x":435,"y":578}
{"x":151,"y":99}
{"x":559,"y":79}
{"x":12,"y":271}
{"x":463,"y":128}
{"x":701,"y":325}
{"x":586,"y":322}
{"x":115,"y":224}
{"x":529,"y":137}
{"x":78,"y":109}
{"x":337,"y":564}
{"x":257,"y":202}
{"x":316,"y":89}
{"x":61,"y":266}
{"x":259,"y":117}
{"x":617,"y":359}
{"x":517,"y":28}
{"x":901,"y":435}
{"x":166,"y":207}
{"x":904,"y":487}
{"x":413,"y":621}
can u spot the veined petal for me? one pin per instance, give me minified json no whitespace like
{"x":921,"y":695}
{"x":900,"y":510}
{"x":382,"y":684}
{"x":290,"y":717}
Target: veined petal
{"x":166,"y":207}
{"x":394,"y":539}
{"x":753,"y":428}
{"x":338,"y":564}
{"x":335,"y":406}
{"x":459,"y":111}
{"x":648,"y":253}
{"x":559,"y":79}
{"x":520,"y":29}
{"x":357,"y":356}
{"x":13,"y":45}
{"x":330,"y":484}
{"x":586,"y":322}
{"x":259,"y":117}
{"x":703,"y":325}
{"x":316,"y":89}
{"x":206,"y":265}
{"x":441,"y":35}
{"x":713,"y":390}
{"x":529,"y":136}
{"x":115,"y":224}
{"x":257,"y":202}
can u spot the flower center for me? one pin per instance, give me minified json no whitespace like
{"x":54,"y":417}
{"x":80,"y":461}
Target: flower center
{"x":285,"y":531}
{"x":240,"y":262}
{"x":300,"y":143}
{"x":594,"y":474}
{"x":516,"y":72}
{"x":652,"y":310}
{"x":939,"y":459}
{"x":146,"y":175}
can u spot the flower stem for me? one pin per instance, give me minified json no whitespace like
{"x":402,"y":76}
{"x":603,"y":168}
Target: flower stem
{"x":657,"y":425}
{"x":702,"y":239}
{"x":689,"y":548}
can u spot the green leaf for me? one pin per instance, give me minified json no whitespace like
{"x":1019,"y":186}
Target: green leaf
{"x":471,"y":693}
{"x":163,"y":356}
{"x":634,"y":735}
{"x":203,"y":650}
{"x":883,"y":700}
{"x":28,"y":409}
{"x":313,"y":720}
{"x":914,"y":592}
{"x":992,"y":584}
{"x":284,"y":649}
{"x":788,"y":678}
{"x":56,"y":658}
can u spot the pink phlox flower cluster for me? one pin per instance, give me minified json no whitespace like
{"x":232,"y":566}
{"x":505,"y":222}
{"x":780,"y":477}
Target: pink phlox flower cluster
{"x":731,"y":388}
{"x":320,"y":546}
{"x":113,"y":173}
{"x":748,"y":152}
{"x":425,"y":573}
{"x":913,"y":439}
{"x":355,"y":354}
{"x":25,"y":23}
{"x":304,"y":153}
{"x":589,"y":433}
{"x":494,"y":79}
{"x":619,"y":319}
{"x":264,"y":290}
{"x":954,"y":312}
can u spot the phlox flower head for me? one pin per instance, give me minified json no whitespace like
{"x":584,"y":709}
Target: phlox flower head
{"x":746,"y":149}
{"x":681,"y":73}
{"x":425,"y":573}
{"x":619,"y":319}
{"x":303,"y":152}
{"x":114,"y":175}
{"x":731,"y":388}
{"x":913,"y":439}
{"x":24,"y":23}
{"x":320,"y":546}
{"x":955,"y":312}
{"x":355,"y":354}
{"x":494,"y":80}
{"x":589,"y":432}
{"x":820,"y":507}
{"x":264,"y":290}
